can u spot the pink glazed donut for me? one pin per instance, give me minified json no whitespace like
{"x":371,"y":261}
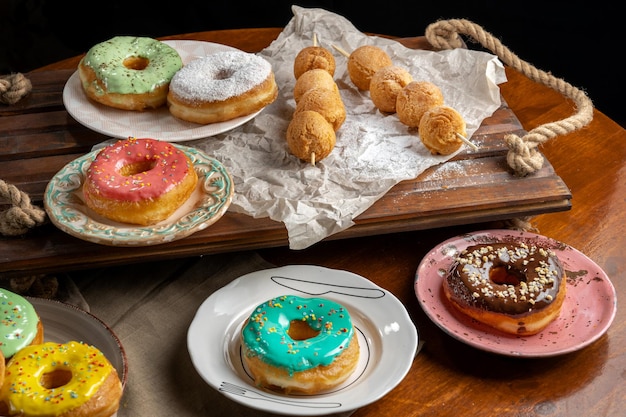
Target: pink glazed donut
{"x":139,"y":181}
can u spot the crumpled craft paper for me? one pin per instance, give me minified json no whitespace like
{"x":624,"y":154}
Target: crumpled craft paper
{"x":373,"y":151}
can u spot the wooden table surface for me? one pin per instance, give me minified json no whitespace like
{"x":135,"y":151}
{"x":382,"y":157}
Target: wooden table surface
{"x":449,"y":377}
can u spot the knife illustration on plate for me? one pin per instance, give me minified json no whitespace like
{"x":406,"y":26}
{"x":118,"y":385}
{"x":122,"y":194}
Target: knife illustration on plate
{"x":321,"y":288}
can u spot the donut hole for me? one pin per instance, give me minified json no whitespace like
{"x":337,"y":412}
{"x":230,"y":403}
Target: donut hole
{"x":55,"y":379}
{"x":505,"y":275}
{"x":224,"y":74}
{"x":136,"y":168}
{"x":136,"y":63}
{"x":300,"y":330}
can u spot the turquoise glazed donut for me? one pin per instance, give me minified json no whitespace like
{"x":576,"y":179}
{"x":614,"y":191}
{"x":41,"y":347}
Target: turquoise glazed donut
{"x":289,"y":336}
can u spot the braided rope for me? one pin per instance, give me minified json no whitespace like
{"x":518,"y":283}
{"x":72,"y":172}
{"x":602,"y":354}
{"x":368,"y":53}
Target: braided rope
{"x":22,"y":215}
{"x":13,"y":88}
{"x":523,"y":156}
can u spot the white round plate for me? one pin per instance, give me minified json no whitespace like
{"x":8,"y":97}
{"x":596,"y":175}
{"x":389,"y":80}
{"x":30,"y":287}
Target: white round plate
{"x":64,"y":322}
{"x":157,"y":123}
{"x":387,"y":338}
{"x":588,"y":310}
{"x":64,"y":204}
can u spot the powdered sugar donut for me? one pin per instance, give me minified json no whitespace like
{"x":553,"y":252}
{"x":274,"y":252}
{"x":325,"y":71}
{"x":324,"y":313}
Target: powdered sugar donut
{"x":221,"y":86}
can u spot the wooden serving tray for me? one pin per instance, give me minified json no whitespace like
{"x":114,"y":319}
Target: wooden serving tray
{"x":38,"y":137}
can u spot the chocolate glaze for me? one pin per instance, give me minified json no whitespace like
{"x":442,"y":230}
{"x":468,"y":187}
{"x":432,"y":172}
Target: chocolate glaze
{"x":505,"y":278}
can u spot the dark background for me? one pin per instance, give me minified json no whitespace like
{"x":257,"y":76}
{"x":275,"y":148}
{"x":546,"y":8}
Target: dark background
{"x":580,"y":42}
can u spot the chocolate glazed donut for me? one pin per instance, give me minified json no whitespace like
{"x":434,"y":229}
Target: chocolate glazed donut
{"x":518,"y":289}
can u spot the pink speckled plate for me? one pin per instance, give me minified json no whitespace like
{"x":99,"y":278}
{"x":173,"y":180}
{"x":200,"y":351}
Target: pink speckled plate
{"x":588,"y":310}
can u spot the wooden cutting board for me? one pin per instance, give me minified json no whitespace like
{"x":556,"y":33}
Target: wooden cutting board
{"x":38,"y":137}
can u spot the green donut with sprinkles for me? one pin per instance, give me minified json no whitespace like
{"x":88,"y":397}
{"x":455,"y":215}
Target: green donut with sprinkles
{"x":292,"y":344}
{"x":129,"y":72}
{"x":20,"y":325}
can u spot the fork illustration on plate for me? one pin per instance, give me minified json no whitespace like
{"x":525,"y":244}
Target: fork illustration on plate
{"x":256,"y":395}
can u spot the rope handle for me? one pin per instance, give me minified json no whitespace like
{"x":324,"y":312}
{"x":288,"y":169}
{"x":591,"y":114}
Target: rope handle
{"x":13,"y":87}
{"x":22,"y":215}
{"x":523,"y":156}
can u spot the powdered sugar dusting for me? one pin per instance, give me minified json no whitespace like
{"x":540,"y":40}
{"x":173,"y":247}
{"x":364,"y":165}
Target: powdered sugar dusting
{"x":220,"y":76}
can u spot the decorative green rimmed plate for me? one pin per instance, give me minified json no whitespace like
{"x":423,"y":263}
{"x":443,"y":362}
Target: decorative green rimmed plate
{"x":63,"y":201}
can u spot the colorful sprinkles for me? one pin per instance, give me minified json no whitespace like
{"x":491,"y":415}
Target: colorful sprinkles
{"x":137,"y":169}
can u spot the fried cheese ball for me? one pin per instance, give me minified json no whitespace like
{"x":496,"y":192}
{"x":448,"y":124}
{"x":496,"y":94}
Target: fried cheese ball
{"x":328,"y":103}
{"x":363,"y":63}
{"x":415,"y":99}
{"x":310,"y":137}
{"x":439,"y":130}
{"x":315,"y":78}
{"x":385,"y":86}
{"x":313,"y":57}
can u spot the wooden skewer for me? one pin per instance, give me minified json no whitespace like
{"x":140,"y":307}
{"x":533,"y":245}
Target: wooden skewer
{"x":313,"y":158}
{"x":315,"y":39}
{"x":341,"y":50}
{"x":467,"y":142}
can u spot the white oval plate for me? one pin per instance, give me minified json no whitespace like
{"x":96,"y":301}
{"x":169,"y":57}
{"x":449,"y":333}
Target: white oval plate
{"x":64,"y":322}
{"x":588,"y":310}
{"x":63,"y":201}
{"x":157,"y":123}
{"x":387,"y":337}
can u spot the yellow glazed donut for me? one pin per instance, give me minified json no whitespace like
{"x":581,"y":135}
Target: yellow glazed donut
{"x":128,"y":72}
{"x":300,"y":345}
{"x":62,"y":380}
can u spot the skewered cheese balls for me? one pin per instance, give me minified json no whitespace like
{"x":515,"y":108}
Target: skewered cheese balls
{"x":328,"y":103}
{"x":315,"y":78}
{"x":415,"y":99}
{"x":439,"y":130}
{"x":363,"y":63}
{"x":310,"y":137}
{"x":385,"y":86}
{"x":319,"y":108}
{"x":313,"y":57}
